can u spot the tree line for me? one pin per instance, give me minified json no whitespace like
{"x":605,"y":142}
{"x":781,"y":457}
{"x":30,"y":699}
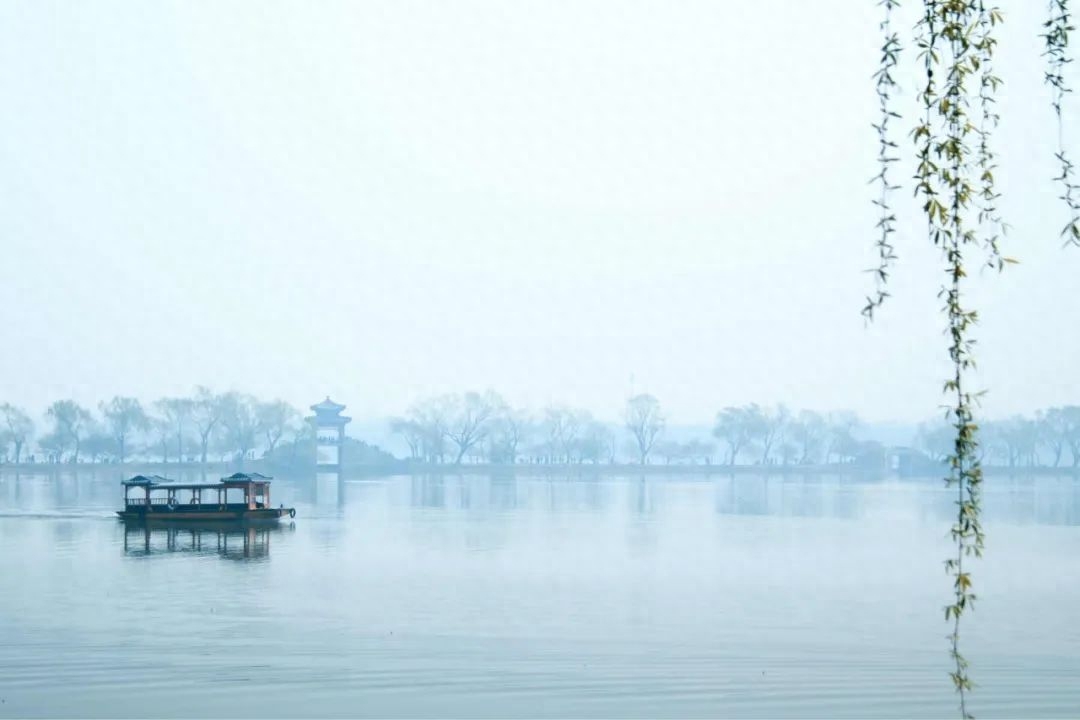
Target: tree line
{"x":482,"y":427}
{"x":1049,"y":438}
{"x":194,"y":428}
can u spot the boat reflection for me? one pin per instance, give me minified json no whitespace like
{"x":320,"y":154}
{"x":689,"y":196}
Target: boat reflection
{"x":233,"y":541}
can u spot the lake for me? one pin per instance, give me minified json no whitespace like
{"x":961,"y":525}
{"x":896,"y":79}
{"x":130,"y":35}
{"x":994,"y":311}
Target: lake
{"x":473,"y":596}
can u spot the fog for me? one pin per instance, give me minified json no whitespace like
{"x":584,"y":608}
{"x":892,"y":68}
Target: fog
{"x":568,"y":202}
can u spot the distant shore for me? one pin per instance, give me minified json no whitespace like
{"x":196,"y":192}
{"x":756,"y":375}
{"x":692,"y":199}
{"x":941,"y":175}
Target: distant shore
{"x":405,"y":467}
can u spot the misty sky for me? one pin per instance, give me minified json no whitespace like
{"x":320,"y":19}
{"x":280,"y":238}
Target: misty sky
{"x":564,"y":201}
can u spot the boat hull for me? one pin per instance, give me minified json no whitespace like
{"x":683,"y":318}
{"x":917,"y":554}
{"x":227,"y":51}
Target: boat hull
{"x":189,"y":514}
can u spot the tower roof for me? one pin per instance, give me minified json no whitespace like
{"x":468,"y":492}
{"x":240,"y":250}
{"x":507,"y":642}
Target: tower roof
{"x":327,"y":406}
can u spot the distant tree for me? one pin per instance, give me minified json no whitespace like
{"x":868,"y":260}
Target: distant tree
{"x":70,"y":424}
{"x":562,"y":425}
{"x":734,"y":425}
{"x":699,"y":450}
{"x":18,"y":427}
{"x":593,"y":441}
{"x":54,"y":444}
{"x":468,"y":419}
{"x":123,"y":417}
{"x":1071,"y":414}
{"x":240,"y":422}
{"x":275,"y":419}
{"x":430,"y":419}
{"x":510,"y":429}
{"x":412,"y":433}
{"x":809,"y":432}
{"x":161,"y":429}
{"x":177,"y":413}
{"x":100,"y":444}
{"x":841,"y":436}
{"x":206,"y":412}
{"x":768,"y":427}
{"x":645,"y":421}
{"x":1053,"y":431}
{"x":789,"y":451}
{"x":936,"y":439}
{"x":670,"y":450}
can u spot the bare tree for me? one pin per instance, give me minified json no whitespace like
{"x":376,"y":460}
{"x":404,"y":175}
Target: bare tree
{"x":71,"y":422}
{"x":593,"y":443}
{"x":468,"y":418}
{"x":206,"y":411}
{"x":841,"y":435}
{"x":769,"y":427}
{"x":645,"y":421}
{"x":509,"y":430}
{"x":412,"y":434}
{"x":177,"y":412}
{"x":734,"y":426}
{"x":430,"y":419}
{"x":274,"y":420}
{"x":18,"y":427}
{"x":123,"y":416}
{"x":562,"y":425}
{"x":162,"y":429}
{"x":241,"y":424}
{"x":809,"y":432}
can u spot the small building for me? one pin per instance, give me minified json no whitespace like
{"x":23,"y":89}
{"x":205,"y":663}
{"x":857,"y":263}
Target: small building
{"x":329,"y":434}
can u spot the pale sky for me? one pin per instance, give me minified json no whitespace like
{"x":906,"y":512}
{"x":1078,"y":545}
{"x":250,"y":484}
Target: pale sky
{"x":563,"y":201}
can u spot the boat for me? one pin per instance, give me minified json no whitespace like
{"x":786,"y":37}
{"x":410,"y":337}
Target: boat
{"x":240,"y":497}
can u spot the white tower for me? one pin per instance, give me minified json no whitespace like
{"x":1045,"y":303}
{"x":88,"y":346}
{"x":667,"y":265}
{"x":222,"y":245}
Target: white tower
{"x":329,"y":434}
{"x":329,"y":439}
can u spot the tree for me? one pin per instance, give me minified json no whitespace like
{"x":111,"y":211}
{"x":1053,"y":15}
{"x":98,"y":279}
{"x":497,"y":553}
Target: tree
{"x":593,"y":442}
{"x":70,"y":422}
{"x":645,"y":421}
{"x":275,"y":419}
{"x":1071,"y":415}
{"x":935,"y":439}
{"x":206,"y":411}
{"x":100,"y":444}
{"x":162,"y":431}
{"x":468,"y":418}
{"x":509,"y":430}
{"x":123,"y":416}
{"x":768,"y":428}
{"x":734,"y":425}
{"x":841,"y":436}
{"x":808,"y":431}
{"x":670,"y":450}
{"x":177,"y":412}
{"x":18,"y":426}
{"x":241,"y":424}
{"x":699,"y":450}
{"x":411,"y":432}
{"x":429,"y":418}
{"x":562,"y":425}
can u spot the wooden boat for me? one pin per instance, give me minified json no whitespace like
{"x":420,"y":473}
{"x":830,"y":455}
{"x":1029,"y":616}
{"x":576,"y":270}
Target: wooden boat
{"x":240,"y":497}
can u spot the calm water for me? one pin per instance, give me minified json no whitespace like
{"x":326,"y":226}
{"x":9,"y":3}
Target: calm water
{"x":535,"y":597}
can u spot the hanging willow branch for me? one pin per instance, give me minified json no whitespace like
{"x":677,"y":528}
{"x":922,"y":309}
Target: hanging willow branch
{"x":1058,"y":26}
{"x":954,"y":180}
{"x":885,"y":85}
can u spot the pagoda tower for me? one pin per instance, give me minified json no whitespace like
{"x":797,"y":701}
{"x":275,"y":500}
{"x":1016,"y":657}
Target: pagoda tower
{"x":329,"y":434}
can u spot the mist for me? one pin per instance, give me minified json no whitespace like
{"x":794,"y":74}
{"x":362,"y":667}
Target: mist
{"x":386,"y":202}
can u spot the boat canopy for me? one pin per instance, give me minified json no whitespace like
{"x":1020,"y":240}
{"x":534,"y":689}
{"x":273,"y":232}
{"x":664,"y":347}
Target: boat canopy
{"x":236,"y":480}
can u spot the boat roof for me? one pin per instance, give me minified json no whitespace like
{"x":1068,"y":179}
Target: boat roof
{"x":147,"y":480}
{"x":327,"y":405}
{"x":234,"y":480}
